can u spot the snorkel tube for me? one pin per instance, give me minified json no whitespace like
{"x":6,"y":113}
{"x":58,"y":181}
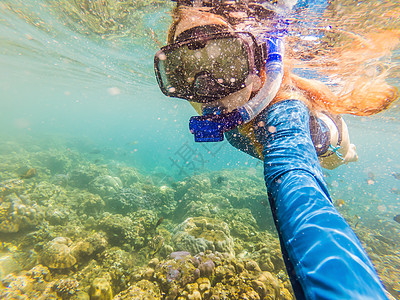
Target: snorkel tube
{"x":211,"y":126}
{"x":273,"y":80}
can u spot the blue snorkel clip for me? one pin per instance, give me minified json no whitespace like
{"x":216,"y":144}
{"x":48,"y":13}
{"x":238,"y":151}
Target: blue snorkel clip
{"x":210,"y":127}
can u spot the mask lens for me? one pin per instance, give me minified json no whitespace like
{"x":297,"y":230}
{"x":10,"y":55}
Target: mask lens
{"x":225,"y":60}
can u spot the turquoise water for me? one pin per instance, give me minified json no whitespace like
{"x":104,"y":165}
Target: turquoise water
{"x":99,"y":89}
{"x":70,"y":85}
{"x":58,"y":80}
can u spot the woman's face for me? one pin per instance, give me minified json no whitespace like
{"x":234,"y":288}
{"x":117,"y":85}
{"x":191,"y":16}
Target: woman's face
{"x":198,"y":18}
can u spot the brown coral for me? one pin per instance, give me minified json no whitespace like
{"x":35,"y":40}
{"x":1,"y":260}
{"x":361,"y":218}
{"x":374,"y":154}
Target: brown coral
{"x":56,"y":254}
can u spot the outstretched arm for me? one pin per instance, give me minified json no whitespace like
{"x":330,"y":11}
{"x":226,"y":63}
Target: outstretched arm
{"x":324,"y":258}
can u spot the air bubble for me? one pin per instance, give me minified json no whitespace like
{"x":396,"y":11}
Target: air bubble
{"x":162,"y":56}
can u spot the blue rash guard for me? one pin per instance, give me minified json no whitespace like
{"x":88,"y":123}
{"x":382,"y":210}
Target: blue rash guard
{"x":323,"y":256}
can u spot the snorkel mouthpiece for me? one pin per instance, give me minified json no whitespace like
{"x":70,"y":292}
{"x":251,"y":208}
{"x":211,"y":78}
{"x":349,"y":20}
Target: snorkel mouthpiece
{"x":211,"y":127}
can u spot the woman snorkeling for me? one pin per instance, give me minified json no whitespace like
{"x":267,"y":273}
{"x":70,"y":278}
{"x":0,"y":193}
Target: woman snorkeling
{"x":228,"y":60}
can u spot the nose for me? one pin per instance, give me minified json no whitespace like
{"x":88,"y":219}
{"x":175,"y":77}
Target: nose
{"x":207,"y":85}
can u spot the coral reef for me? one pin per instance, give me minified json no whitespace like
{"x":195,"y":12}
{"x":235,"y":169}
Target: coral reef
{"x":8,"y":264}
{"x":57,"y":162}
{"x":10,"y":186}
{"x":47,"y":193}
{"x":144,"y":196}
{"x":66,"y":288}
{"x":142,"y":290}
{"x":33,"y":284}
{"x":100,"y":289}
{"x":90,"y":204}
{"x":385,"y":255}
{"x":129,"y":176}
{"x":200,"y":233}
{"x":87,"y":231}
{"x":208,"y":275}
{"x":81,"y":177}
{"x":133,"y":229}
{"x":17,"y":212}
{"x":56,"y":254}
{"x":88,"y":247}
{"x":105,"y":186}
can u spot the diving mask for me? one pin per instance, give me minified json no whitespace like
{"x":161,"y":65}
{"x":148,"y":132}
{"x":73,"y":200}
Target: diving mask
{"x":206,"y":64}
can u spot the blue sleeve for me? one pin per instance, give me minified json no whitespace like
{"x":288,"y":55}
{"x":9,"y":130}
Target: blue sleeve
{"x":324,"y":258}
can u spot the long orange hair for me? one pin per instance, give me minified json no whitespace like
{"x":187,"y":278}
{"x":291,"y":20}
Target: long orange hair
{"x":361,"y":93}
{"x":363,"y":90}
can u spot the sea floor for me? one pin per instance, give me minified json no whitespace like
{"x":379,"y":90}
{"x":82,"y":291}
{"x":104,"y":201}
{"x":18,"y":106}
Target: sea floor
{"x":79,"y":225}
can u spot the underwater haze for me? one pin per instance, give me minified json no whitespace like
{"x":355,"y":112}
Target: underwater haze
{"x":103,"y":191}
